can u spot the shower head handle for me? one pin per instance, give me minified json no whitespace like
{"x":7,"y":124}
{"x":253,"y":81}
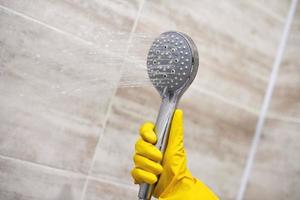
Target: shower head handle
{"x":172,"y":65}
{"x":162,"y":127}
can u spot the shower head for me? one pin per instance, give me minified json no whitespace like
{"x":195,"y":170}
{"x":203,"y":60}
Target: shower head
{"x":172,"y":63}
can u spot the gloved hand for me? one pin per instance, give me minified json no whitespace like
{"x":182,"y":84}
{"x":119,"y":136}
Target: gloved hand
{"x":175,"y":182}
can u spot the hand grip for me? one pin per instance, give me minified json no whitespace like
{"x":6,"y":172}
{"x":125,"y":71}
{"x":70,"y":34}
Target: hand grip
{"x":162,"y":126}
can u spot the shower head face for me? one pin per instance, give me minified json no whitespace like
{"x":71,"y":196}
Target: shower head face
{"x":172,"y":63}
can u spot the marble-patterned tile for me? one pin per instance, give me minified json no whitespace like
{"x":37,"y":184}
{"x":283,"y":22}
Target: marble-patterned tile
{"x":236,"y":52}
{"x":286,"y":96}
{"x":106,"y":23}
{"x":20,"y":180}
{"x":109,"y":191}
{"x":114,"y":156}
{"x":54,"y":94}
{"x":276,"y":170}
{"x":217,"y":137}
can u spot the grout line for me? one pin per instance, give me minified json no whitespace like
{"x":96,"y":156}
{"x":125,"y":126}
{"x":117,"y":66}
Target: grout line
{"x":26,"y":162}
{"x":266,"y":102}
{"x":283,"y":118}
{"x":112,"y":100}
{"x":46,"y":25}
{"x":273,"y":115}
{"x":268,"y":11}
{"x":112,"y":182}
{"x":68,"y":172}
{"x":59,"y":31}
{"x":226,"y":100}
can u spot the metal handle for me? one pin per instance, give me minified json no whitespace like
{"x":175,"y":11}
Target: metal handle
{"x":162,"y":127}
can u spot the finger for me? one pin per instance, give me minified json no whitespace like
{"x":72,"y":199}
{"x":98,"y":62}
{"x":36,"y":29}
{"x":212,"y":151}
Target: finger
{"x":149,"y":136}
{"x":148,"y":126}
{"x":141,"y":176}
{"x":148,"y":150}
{"x":176,"y":132}
{"x":147,"y":165}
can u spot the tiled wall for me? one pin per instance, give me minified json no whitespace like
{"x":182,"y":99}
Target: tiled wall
{"x":74,"y":92}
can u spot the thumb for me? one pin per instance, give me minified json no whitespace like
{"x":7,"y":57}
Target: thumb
{"x":176,"y":132}
{"x":174,"y":161}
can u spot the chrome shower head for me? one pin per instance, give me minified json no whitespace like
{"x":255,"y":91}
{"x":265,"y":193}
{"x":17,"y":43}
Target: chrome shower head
{"x":172,"y":63}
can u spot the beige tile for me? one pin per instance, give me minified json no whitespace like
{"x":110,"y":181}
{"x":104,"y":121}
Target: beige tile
{"x":108,"y":191}
{"x":236,"y":52}
{"x":286,"y":96}
{"x":276,"y":169}
{"x":54,"y":94}
{"x":217,"y":137}
{"x":106,"y":23}
{"x":20,"y":180}
{"x":114,"y":156}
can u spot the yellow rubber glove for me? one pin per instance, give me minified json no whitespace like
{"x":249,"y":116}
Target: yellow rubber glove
{"x":175,"y":182}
